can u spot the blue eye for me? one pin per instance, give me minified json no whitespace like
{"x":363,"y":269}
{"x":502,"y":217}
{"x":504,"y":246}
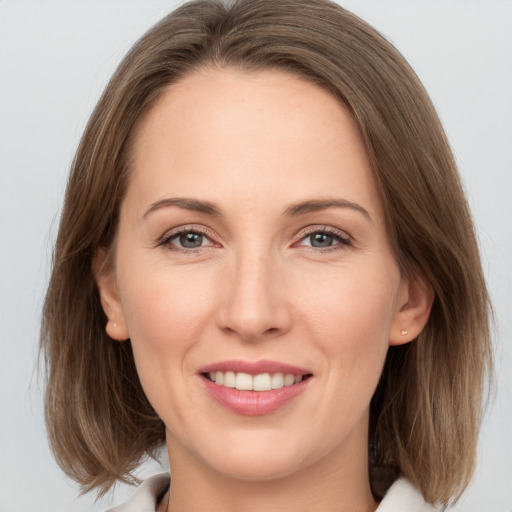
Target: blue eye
{"x":322,"y":239}
{"x":188,"y":239}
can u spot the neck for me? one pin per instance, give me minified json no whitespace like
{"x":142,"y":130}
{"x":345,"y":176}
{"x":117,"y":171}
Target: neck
{"x":325,"y":486}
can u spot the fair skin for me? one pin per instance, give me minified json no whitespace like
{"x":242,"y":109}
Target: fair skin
{"x":252,"y":231}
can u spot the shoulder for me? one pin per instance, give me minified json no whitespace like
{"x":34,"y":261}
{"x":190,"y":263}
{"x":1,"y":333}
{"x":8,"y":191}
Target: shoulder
{"x":402,"y":496}
{"x":146,"y":496}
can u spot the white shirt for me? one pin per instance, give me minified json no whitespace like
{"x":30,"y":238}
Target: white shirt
{"x":401,"y":497}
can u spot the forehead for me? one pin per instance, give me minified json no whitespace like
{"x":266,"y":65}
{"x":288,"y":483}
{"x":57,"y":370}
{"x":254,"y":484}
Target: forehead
{"x":248,"y":133}
{"x":210,"y":99}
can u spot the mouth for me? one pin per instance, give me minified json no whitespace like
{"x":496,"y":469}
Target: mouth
{"x":254,"y":388}
{"x":260,"y":382}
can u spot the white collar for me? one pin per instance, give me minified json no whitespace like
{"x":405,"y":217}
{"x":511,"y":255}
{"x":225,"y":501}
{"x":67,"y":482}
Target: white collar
{"x":402,"y":496}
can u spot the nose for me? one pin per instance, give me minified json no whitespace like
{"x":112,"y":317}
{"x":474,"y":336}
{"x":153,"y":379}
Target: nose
{"x":254,"y":305}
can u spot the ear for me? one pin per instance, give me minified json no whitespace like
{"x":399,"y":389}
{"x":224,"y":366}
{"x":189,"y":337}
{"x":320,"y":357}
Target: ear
{"x":104,"y":276}
{"x":413,"y":308}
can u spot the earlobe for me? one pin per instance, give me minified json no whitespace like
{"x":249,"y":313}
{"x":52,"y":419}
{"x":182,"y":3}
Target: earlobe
{"x":104,"y":276}
{"x":413,"y":310}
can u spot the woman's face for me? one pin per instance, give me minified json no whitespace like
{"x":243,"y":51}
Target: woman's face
{"x":252,"y":246}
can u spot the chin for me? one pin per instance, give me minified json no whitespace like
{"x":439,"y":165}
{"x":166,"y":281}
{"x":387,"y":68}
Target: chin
{"x":262,"y":456}
{"x":262,"y":466}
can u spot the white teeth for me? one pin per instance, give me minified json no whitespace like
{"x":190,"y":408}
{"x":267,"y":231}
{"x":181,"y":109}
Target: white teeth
{"x":289,"y":379}
{"x":261,"y":382}
{"x":229,"y":379}
{"x":277,"y":380}
{"x":243,"y":381}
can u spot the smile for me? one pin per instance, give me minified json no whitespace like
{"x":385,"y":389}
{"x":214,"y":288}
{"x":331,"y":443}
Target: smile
{"x":254,"y":388}
{"x":260,"y":382}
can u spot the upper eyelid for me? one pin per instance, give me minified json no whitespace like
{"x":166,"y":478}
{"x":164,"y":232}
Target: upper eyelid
{"x":319,"y":228}
{"x":192,"y":228}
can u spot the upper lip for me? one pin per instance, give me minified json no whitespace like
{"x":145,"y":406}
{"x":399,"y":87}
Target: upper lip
{"x":253,"y":367}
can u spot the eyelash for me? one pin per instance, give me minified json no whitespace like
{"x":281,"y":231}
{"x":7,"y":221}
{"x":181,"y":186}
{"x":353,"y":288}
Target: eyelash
{"x":166,"y":240}
{"x":342,"y":240}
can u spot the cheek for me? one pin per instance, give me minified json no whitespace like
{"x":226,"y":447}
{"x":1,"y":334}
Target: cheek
{"x":352,"y":305}
{"x":349,"y":315}
{"x":165,"y":312}
{"x":164,"y":303}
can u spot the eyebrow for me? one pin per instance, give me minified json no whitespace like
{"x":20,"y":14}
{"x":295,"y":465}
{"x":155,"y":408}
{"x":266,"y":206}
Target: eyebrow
{"x":195,"y":205}
{"x":294,"y":210}
{"x":315,"y":205}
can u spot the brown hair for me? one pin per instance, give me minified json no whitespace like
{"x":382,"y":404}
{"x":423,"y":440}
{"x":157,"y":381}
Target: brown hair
{"x":426,"y":411}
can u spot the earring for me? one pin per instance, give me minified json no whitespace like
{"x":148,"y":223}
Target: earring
{"x":115,"y":324}
{"x":403,"y":332}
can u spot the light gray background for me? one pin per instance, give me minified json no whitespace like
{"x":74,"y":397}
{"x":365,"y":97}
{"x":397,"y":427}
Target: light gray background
{"x":55,"y":58}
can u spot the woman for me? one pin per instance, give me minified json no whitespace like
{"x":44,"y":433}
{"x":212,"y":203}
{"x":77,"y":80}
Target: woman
{"x":266,"y":262}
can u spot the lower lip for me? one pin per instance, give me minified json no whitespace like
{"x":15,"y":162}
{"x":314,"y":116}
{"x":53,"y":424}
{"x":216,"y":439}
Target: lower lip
{"x":253,"y":403}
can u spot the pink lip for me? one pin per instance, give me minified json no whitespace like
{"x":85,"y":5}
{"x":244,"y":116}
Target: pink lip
{"x":253,"y":403}
{"x":253,"y":368}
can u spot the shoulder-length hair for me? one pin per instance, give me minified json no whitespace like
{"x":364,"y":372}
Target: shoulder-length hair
{"x":426,"y":411}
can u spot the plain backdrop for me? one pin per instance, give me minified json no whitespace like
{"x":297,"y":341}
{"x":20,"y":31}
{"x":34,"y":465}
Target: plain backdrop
{"x":55,"y":59}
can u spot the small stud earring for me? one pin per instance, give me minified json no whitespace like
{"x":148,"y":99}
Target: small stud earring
{"x":115,"y":324}
{"x":403,"y":332}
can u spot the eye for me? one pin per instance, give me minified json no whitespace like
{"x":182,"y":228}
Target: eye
{"x":324,"y":239}
{"x":320,"y":240}
{"x":186,"y":239}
